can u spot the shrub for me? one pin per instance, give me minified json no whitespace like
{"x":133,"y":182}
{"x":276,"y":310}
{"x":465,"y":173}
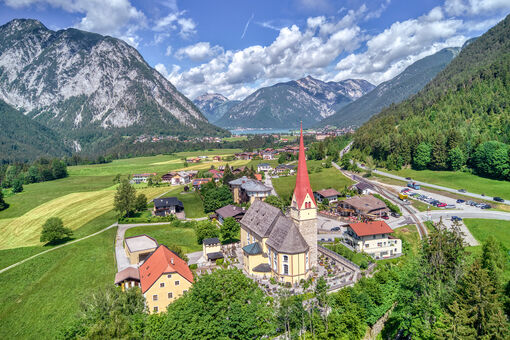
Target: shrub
{"x":219,"y":262}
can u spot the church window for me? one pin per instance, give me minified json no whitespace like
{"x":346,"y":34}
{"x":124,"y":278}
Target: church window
{"x":307,"y":264}
{"x":275,"y":264}
{"x":285,"y":258}
{"x":248,"y":237}
{"x":286,"y":269}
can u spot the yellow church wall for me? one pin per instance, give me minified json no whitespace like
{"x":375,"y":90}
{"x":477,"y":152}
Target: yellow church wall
{"x":170,"y":286}
{"x":252,"y":261}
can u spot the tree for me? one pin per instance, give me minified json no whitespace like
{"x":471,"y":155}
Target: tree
{"x":229,"y":230}
{"x":456,"y":159}
{"x":205,"y":229}
{"x":493,"y":260}
{"x":17,"y":185}
{"x":179,"y":251}
{"x":3,"y":205}
{"x":141,"y":203}
{"x":321,"y":292}
{"x":125,"y":197}
{"x":116,"y":179}
{"x":227,"y":175}
{"x":58,"y":169}
{"x":53,"y":231}
{"x":216,"y":198}
{"x":421,"y":157}
{"x":491,"y":159}
{"x":276,"y":201}
{"x":222,"y":305}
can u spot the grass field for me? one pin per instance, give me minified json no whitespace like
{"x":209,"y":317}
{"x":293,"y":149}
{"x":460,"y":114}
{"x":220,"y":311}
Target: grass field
{"x":74,"y":209}
{"x":327,"y":178}
{"x":459,"y":180}
{"x":43,"y":295}
{"x":166,"y":234}
{"x":409,"y":234}
{"x":193,"y":206}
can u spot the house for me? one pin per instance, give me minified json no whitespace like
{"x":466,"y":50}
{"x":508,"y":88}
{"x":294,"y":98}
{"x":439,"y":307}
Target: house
{"x":216,"y":158}
{"x":237,"y":171}
{"x":212,"y":249}
{"x":264,"y":167}
{"x":193,"y":160}
{"x":230,"y":211}
{"x":138,"y":248}
{"x":164,"y":277}
{"x":279,"y":246}
{"x":373,"y":238}
{"x":244,"y":156}
{"x":217,"y":176}
{"x":268,"y":155}
{"x":245,"y":189}
{"x":167,"y":178}
{"x":168,"y":205}
{"x":198,"y":182}
{"x":330,"y":194}
{"x":142,"y":178}
{"x":174,"y":178}
{"x":127,"y":278}
{"x":363,"y":188}
{"x":284,"y":169}
{"x":258,"y":177}
{"x":363,"y":206}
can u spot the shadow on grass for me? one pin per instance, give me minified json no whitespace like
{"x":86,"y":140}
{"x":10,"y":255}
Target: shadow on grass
{"x":59,"y":242}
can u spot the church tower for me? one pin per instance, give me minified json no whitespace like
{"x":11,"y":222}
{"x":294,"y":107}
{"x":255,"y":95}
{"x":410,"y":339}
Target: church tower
{"x":303,"y":209}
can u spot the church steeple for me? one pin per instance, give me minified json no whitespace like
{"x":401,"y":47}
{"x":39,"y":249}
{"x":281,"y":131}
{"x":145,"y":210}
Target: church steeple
{"x":302,"y":180}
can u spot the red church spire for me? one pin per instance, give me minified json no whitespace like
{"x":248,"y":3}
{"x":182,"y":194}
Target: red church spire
{"x":302,"y":181}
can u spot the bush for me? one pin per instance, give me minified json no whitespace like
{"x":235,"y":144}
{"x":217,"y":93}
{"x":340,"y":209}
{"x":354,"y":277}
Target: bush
{"x":219,"y":262}
{"x":193,"y":266}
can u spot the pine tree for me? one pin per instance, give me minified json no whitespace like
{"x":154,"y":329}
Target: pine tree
{"x":455,"y":324}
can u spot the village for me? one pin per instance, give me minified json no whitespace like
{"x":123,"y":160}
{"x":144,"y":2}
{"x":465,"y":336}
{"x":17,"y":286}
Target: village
{"x":277,"y":248}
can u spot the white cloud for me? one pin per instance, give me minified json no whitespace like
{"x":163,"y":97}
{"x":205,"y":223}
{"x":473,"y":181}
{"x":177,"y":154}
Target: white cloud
{"x":168,"y":51}
{"x":476,"y":7}
{"x":175,"y":21}
{"x":115,"y":17}
{"x":199,"y":51}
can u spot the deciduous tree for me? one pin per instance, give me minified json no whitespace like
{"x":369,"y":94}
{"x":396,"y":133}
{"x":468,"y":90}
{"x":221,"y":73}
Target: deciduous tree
{"x":53,"y":231}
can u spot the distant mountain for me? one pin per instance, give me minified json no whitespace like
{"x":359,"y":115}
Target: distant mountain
{"x":23,"y":139}
{"x":407,"y":83}
{"x":86,"y":86}
{"x":284,"y":105}
{"x":464,"y":106}
{"x":214,"y":105}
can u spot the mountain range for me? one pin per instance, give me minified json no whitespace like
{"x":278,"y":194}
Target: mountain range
{"x":214,"y":105}
{"x":284,"y":105}
{"x":86,"y":87}
{"x":393,"y":91}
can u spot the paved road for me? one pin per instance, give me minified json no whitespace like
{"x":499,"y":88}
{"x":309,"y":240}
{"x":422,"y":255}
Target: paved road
{"x":455,"y":191}
{"x":57,"y":247}
{"x":269,"y":183}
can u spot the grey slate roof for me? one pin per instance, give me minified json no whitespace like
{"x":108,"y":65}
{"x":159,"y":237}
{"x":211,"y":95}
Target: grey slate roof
{"x":262,"y":268}
{"x":230,"y":211}
{"x":214,"y":256}
{"x":253,"y":249}
{"x":249,"y":184}
{"x":286,"y":238}
{"x":167,"y":202}
{"x":212,"y":240}
{"x":260,"y":217}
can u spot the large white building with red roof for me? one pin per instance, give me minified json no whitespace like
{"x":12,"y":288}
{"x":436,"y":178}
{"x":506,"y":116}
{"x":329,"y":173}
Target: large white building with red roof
{"x":374,"y":238}
{"x":279,"y":246}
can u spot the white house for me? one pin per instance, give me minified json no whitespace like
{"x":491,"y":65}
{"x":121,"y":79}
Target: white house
{"x":264,"y":167}
{"x":373,"y":238}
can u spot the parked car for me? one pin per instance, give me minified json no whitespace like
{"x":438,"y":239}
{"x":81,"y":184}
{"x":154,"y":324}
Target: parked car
{"x":451,"y":206}
{"x":479,"y":205}
{"x":498,"y":199}
{"x":405,"y":190}
{"x":486,"y":206}
{"x":471,"y":203}
{"x":385,"y":217}
{"x":456,"y":218}
{"x":408,"y":178}
{"x":461,"y":201}
{"x":335,"y":229}
{"x":462,"y":190}
{"x":394,"y":214}
{"x":441,"y":205}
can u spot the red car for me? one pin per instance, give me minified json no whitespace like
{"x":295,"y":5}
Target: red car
{"x":405,"y":190}
{"x":441,"y":205}
{"x":385,"y":217}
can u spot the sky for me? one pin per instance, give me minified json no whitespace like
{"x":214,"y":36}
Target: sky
{"x":234,"y":47}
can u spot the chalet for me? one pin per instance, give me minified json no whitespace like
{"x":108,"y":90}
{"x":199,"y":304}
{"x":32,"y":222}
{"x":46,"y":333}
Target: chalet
{"x":167,"y":178}
{"x":363,"y":206}
{"x":198,"y":182}
{"x":363,"y":188}
{"x":176,"y":178}
{"x":330,"y":194}
{"x":284,"y":169}
{"x":168,"y":205}
{"x":128,"y":278}
{"x":216,"y":158}
{"x":373,"y":238}
{"x":268,"y":155}
{"x":264,"y":167}
{"x":245,"y":189}
{"x":193,"y":160}
{"x":211,"y":248}
{"x":142,"y":178}
{"x":138,"y":248}
{"x":230,"y":211}
{"x":237,"y":171}
{"x":244,"y":156}
{"x":164,"y":277}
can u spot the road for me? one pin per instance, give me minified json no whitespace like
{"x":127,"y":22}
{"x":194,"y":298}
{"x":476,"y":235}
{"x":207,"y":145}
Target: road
{"x":455,"y":191}
{"x":269,"y":183}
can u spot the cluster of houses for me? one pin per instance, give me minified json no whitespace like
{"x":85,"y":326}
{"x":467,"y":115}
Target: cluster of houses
{"x":154,"y":139}
{"x":267,"y":154}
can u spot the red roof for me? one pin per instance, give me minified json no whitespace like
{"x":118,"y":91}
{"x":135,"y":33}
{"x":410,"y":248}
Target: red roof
{"x":371,"y":228}
{"x":162,"y":261}
{"x":302,"y":181}
{"x":258,"y":177}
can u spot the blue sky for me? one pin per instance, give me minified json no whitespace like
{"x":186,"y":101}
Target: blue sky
{"x":234,"y":47}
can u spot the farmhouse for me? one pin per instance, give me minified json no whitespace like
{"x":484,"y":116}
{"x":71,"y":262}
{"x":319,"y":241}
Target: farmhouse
{"x":363,"y":206}
{"x":245,"y":189}
{"x":176,"y":178}
{"x":373,"y":238}
{"x":279,"y":246}
{"x":230,"y":211}
{"x":164,"y":277}
{"x":285,"y":168}
{"x":216,"y":158}
{"x":264,"y":167}
{"x":198,"y":182}
{"x":166,"y":206}
{"x":128,"y":278}
{"x":330,"y":194}
{"x":363,"y":188}
{"x":138,"y":248}
{"x":211,"y":248}
{"x":142,"y":178}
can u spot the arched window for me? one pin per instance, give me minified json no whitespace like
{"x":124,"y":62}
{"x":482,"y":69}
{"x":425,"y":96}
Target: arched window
{"x":285,"y":258}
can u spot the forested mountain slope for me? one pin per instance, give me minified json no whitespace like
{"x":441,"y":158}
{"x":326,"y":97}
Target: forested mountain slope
{"x":461,"y":117}
{"x":393,"y":91}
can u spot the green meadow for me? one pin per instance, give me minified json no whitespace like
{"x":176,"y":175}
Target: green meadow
{"x":183,"y":237}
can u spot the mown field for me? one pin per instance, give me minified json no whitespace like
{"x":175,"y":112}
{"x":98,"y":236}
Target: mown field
{"x":326,"y":178}
{"x":459,"y":180}
{"x":165,"y":234}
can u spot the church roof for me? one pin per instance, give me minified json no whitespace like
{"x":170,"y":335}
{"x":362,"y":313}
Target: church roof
{"x":260,"y":217}
{"x":252,"y":249}
{"x":286,"y":238}
{"x":302,"y":181}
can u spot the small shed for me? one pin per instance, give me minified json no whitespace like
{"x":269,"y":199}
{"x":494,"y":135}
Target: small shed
{"x":138,"y":248}
{"x":212,"y":248}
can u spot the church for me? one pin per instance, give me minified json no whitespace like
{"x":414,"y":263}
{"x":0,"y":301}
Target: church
{"x":280,"y":246}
